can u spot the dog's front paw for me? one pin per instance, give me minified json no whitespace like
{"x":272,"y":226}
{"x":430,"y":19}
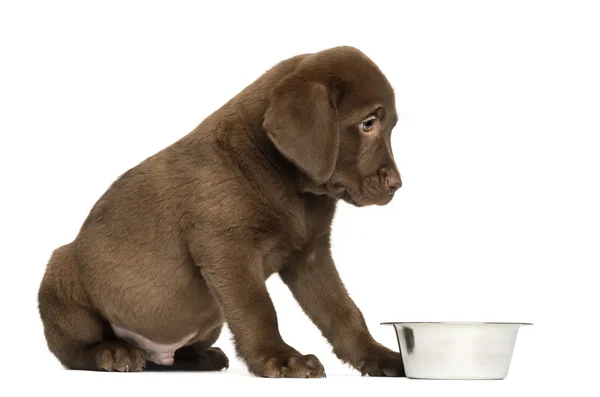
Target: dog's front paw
{"x":382,"y":361}
{"x":291,"y":366}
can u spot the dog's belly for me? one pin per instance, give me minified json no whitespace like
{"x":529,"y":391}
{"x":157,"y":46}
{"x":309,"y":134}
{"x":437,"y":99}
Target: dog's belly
{"x":159,"y":353}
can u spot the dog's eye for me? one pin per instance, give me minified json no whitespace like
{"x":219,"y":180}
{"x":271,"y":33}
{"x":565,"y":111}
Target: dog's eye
{"x":368,"y":124}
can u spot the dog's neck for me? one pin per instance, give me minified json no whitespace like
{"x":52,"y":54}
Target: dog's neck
{"x":301,"y":182}
{"x":250,"y":147}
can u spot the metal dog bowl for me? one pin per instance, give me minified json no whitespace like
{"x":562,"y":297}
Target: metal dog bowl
{"x":456,"y":350}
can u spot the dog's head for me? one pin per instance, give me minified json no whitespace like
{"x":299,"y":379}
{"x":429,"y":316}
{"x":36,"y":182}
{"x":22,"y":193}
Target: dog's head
{"x":332,"y":117}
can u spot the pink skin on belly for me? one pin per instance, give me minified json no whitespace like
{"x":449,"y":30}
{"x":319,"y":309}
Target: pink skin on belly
{"x":161,"y":354}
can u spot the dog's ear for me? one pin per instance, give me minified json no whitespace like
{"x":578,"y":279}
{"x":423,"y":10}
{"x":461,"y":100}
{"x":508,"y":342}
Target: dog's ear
{"x":302,"y":123}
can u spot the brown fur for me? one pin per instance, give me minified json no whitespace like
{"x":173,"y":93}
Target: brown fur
{"x":184,"y":241}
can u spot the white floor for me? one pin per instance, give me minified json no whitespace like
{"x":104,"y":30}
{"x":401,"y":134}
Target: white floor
{"x":236,"y":381}
{"x":48,"y":376}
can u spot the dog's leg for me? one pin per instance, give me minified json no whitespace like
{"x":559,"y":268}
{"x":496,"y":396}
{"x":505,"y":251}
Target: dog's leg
{"x":79,"y":339}
{"x":75,"y":334}
{"x":316,"y":285}
{"x":236,"y":279}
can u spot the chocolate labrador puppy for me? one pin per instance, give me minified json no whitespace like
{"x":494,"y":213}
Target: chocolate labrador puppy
{"x":184,"y":241}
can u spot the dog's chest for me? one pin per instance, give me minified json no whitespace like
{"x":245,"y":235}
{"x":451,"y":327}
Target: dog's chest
{"x":296,"y":233}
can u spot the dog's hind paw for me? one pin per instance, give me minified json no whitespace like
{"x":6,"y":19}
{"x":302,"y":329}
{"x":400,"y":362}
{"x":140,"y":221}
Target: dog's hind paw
{"x":119,"y":356}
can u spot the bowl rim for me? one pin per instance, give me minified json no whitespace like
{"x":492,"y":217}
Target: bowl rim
{"x":454,"y":322}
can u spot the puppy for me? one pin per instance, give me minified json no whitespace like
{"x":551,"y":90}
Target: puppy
{"x":184,"y":241}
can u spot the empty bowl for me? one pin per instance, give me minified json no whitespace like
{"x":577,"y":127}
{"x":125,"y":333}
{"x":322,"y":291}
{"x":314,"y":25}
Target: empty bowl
{"x":456,"y":350}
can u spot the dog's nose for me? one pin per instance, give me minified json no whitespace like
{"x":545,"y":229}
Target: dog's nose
{"x":393,"y":184}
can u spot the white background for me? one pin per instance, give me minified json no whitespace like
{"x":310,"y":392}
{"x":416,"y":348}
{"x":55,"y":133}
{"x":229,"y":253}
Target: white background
{"x":497,"y":143}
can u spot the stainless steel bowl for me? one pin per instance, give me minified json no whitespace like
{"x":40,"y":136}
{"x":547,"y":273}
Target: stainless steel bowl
{"x":456,"y":350}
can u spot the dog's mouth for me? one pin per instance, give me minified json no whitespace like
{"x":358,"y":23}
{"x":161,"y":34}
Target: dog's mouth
{"x":341,"y":192}
{"x":358,"y":199}
{"x":347,"y":197}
